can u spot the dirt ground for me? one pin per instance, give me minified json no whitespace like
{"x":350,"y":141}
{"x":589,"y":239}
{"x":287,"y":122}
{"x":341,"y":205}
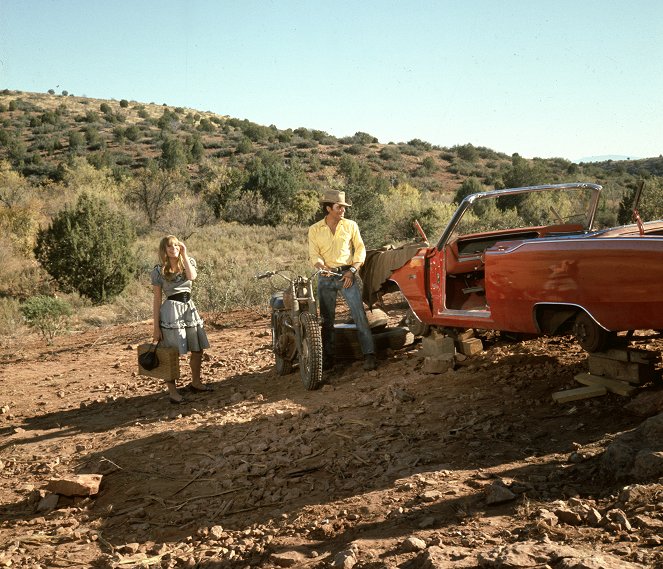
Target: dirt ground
{"x":475,"y":467}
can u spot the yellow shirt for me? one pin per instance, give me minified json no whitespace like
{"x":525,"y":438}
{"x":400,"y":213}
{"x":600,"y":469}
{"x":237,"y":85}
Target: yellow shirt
{"x":344,"y":247}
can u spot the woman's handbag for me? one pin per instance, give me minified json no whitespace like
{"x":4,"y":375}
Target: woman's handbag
{"x":159,"y":362}
{"x":149,"y":360}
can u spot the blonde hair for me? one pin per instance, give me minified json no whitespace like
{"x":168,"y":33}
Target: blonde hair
{"x":166,"y":270}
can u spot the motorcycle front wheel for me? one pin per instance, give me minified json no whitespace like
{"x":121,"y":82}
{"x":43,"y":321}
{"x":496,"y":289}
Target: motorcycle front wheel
{"x":310,"y":356}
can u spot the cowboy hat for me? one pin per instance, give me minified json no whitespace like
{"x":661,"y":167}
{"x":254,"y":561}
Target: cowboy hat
{"x":335,"y":196}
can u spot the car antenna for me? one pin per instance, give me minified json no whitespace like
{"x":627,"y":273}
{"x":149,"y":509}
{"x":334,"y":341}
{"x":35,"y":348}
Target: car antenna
{"x":421,"y":231}
{"x":636,"y":202}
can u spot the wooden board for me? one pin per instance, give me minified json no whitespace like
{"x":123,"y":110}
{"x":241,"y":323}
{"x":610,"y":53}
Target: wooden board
{"x":579,"y":393}
{"x":612,"y":385}
{"x":169,"y":363}
{"x":633,"y":372}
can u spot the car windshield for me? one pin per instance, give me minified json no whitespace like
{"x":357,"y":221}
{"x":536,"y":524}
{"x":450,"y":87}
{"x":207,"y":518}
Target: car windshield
{"x":520,"y":209}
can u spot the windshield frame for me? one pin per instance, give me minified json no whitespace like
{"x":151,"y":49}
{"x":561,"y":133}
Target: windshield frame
{"x":467,"y":203}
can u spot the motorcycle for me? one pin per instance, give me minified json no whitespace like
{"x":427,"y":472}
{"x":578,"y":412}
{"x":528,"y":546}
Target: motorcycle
{"x":296,"y":335}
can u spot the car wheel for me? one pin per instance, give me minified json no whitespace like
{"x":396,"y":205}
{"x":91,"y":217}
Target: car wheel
{"x":590,"y":335}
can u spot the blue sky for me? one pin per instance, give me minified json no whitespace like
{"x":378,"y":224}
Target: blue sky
{"x":571,"y":78}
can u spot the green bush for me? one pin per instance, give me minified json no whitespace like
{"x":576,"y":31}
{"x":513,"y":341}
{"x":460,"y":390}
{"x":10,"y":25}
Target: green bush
{"x":88,"y":249}
{"x":47,"y":314}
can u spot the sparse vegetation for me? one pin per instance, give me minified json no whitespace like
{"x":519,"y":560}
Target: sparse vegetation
{"x":88,"y":249}
{"x":46,"y":314}
{"x":202,"y":175}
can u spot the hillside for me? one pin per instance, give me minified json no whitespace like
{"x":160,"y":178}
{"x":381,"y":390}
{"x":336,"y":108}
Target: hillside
{"x":39,"y":132}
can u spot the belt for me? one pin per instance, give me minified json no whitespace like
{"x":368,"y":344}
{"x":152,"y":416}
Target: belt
{"x":180,"y":297}
{"x":341,"y":269}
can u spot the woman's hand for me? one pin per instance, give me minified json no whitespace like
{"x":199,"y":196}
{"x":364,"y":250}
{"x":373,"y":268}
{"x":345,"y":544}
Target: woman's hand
{"x":157,"y":335}
{"x":182,"y":249}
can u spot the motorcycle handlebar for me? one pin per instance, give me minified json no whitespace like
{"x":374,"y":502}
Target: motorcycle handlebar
{"x":265,"y":275}
{"x":325,"y":272}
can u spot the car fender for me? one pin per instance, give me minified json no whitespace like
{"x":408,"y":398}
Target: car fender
{"x":412,"y":279}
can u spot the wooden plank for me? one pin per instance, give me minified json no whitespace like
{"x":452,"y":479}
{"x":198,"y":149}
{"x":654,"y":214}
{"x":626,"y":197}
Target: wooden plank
{"x":612,"y":385}
{"x":579,"y":393}
{"x":634,"y":355}
{"x":626,"y":371}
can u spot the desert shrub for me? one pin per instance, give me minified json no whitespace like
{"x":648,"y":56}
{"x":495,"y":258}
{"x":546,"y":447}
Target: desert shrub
{"x":244,"y":146}
{"x":75,"y":140}
{"x":420,"y":144}
{"x":429,"y":164}
{"x":49,"y":315}
{"x":124,"y":103}
{"x":467,"y":152}
{"x":469,"y":186}
{"x":390,"y":153}
{"x":88,"y":248}
{"x":206,"y":125}
{"x":11,"y":319}
{"x":132,"y":133}
{"x":173,"y":154}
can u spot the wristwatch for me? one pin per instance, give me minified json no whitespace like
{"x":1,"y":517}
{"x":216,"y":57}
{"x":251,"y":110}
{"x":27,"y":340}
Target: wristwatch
{"x":353,"y":269}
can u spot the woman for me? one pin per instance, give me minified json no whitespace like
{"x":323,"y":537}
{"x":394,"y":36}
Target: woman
{"x":176,"y":320}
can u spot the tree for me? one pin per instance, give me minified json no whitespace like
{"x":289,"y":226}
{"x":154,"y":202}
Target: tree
{"x":88,"y":248}
{"x":219,"y":185}
{"x":152,"y":190}
{"x":364,"y":190}
{"x":124,"y":103}
{"x":276,"y":182}
{"x":173,"y":154}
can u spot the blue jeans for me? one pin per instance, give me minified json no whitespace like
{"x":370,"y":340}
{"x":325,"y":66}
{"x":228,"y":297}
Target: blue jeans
{"x":328,"y":289}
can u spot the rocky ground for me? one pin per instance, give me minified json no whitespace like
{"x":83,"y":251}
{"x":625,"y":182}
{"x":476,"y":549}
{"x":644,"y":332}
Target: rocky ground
{"x":475,"y":467}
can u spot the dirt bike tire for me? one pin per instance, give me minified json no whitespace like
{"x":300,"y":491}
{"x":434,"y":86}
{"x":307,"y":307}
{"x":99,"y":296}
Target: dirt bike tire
{"x":310,"y":358}
{"x":283,"y":366}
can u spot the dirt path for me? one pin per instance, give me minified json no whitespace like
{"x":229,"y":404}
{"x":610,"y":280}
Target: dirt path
{"x":392,"y":468}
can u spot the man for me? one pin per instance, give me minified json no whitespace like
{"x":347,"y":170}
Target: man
{"x":334,"y":244}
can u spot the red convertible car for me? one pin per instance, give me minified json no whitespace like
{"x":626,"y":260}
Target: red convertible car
{"x":527,"y":260}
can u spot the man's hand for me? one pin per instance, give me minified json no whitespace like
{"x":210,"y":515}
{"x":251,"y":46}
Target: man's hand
{"x":348,"y":279}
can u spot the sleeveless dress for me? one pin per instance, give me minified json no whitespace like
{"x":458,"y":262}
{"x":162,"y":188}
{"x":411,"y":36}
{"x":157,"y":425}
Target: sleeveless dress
{"x":181,"y":325}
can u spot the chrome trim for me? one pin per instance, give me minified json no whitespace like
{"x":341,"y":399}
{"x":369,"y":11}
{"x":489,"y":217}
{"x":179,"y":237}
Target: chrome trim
{"x":469,"y":200}
{"x":569,"y":304}
{"x":472,"y":313}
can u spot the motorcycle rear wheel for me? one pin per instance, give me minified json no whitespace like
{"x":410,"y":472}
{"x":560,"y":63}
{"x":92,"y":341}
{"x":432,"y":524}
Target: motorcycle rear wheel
{"x":310,"y":357}
{"x":283,"y":365}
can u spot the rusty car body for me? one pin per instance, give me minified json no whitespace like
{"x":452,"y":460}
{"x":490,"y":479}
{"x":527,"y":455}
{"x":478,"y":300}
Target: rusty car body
{"x":543,"y":270}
